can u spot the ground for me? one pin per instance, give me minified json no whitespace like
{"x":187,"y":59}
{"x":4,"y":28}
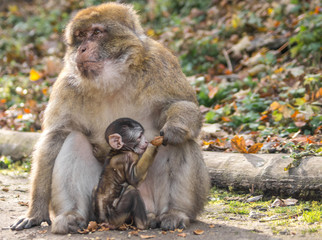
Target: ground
{"x":14,"y":199}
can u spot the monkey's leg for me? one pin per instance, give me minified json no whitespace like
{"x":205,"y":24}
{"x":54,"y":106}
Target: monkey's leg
{"x":43,"y":162}
{"x":130,"y":204}
{"x":179,"y":182}
{"x":75,"y":174}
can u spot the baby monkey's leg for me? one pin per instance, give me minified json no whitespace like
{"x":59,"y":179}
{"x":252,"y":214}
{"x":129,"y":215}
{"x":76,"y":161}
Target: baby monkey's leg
{"x":130,"y":205}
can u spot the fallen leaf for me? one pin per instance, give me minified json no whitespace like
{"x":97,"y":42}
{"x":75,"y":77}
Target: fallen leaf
{"x":318,"y":93}
{"x":182,"y":235}
{"x":255,"y":148}
{"x":85,"y":231}
{"x":290,"y":201}
{"x":134,"y":233}
{"x":211,"y":225}
{"x":275,"y":105}
{"x":254,"y":199}
{"x":226,"y":119}
{"x":212,"y":91}
{"x":92,"y":226}
{"x":123,"y":227}
{"x":21,"y":203}
{"x":239,"y":144}
{"x":5,"y":189}
{"x":198,"y":232}
{"x":150,"y":32}
{"x":34,"y":75}
{"x":277,"y":203}
{"x":42,"y":231}
{"x":235,"y":21}
{"x":147,"y":236}
{"x":27,"y":110}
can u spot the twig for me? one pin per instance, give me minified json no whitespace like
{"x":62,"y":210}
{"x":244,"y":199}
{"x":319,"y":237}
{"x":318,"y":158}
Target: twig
{"x":280,"y":218}
{"x":283,"y":47}
{"x":230,"y":67}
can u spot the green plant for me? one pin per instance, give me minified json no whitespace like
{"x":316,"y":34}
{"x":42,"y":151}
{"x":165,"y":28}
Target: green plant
{"x":307,"y":41}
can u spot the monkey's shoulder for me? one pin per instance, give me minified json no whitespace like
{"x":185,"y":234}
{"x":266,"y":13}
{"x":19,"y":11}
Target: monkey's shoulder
{"x":122,"y":158}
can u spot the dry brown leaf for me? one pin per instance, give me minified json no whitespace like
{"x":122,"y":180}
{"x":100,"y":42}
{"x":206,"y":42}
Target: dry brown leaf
{"x":123,"y":227}
{"x":164,"y":232}
{"x":179,"y":230}
{"x":147,"y":236}
{"x":42,"y":231}
{"x":157,"y":141}
{"x":239,"y":144}
{"x":21,"y":203}
{"x":255,"y":148}
{"x":198,"y":232}
{"x":211,"y":225}
{"x":5,"y":189}
{"x":92,"y":226}
{"x":85,"y":231}
{"x":275,"y":105}
{"x":134,"y":233}
{"x":182,"y":235}
{"x":212,"y":91}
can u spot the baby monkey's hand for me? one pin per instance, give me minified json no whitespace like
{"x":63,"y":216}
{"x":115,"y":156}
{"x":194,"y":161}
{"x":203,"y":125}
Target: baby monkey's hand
{"x":157,"y":141}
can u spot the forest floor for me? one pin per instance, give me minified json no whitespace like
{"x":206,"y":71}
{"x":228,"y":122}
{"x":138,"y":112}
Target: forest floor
{"x":215,"y":222}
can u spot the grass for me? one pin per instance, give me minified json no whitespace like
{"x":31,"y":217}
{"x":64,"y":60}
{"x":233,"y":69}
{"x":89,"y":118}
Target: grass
{"x":303,"y":218}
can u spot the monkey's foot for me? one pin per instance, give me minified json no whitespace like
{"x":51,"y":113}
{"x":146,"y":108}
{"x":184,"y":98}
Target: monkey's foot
{"x":24,"y":223}
{"x":152,"y":222}
{"x":173,"y":219}
{"x":68,"y":222}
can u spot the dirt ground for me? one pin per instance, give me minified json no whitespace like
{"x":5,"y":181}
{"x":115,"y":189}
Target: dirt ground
{"x":13,"y":204}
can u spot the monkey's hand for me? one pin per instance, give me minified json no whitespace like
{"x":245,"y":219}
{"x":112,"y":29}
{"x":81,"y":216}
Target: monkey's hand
{"x":182,"y":121}
{"x":29,"y":222}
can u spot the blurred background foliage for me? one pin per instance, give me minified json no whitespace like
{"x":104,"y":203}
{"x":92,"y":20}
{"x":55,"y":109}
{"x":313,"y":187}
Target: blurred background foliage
{"x":255,"y":65}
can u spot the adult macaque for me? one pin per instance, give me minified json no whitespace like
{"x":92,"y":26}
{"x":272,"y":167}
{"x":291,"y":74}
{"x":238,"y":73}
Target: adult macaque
{"x":116,"y":199}
{"x":112,"y":70}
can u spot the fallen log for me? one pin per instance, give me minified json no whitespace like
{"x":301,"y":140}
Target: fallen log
{"x":263,"y":172}
{"x":17,"y":145}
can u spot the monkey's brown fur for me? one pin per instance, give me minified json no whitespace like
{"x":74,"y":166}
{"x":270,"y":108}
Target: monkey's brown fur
{"x":129,"y":75}
{"x":116,"y":199}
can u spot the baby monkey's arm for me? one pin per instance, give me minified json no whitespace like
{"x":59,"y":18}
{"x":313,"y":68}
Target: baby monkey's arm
{"x":141,"y":169}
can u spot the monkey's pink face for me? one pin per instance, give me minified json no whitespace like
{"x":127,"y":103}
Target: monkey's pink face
{"x":89,"y":59}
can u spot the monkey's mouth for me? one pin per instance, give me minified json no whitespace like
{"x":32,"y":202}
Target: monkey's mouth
{"x":90,"y":68}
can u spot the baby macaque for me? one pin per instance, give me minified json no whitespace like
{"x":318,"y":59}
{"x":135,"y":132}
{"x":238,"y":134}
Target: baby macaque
{"x":116,"y":198}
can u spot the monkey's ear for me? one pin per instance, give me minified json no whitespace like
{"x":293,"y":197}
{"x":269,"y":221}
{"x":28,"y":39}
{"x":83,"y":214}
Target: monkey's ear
{"x":115,"y":141}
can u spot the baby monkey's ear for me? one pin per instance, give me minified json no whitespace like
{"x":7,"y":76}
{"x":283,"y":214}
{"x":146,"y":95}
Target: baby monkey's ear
{"x":115,"y":141}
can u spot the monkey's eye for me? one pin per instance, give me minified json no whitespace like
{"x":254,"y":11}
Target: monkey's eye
{"x":97,"y":31}
{"x":80,"y":34}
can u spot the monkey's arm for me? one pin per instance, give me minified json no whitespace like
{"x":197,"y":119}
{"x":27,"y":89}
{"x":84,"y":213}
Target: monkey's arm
{"x":180,"y":121}
{"x":141,"y":168}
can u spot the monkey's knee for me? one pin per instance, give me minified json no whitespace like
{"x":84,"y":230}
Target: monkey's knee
{"x":68,"y":222}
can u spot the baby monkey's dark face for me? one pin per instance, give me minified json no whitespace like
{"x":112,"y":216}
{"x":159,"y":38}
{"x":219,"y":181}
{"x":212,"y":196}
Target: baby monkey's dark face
{"x":126,"y":134}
